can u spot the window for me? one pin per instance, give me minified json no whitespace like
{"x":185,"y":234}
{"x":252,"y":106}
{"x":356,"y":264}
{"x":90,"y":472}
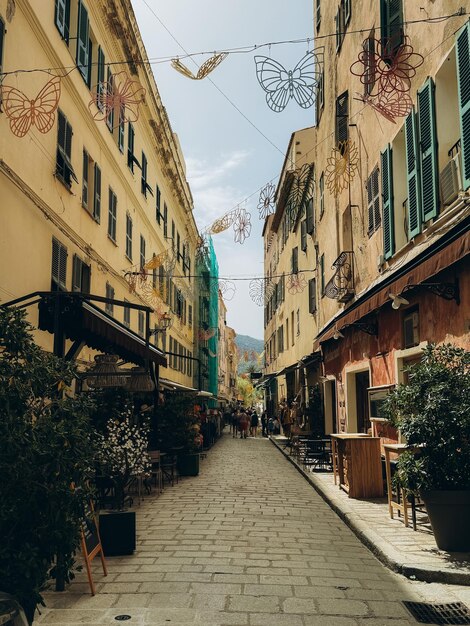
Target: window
{"x":112,"y":215}
{"x":342,"y":118}
{"x":298,"y":322}
{"x":109,"y":306}
{"x":287,"y":333}
{"x":80,"y":275}
{"x":373,"y":201}
{"x":369,"y":61}
{"x":64,"y":169}
{"x":97,"y":193}
{"x":83,"y":56}
{"x":62,"y":18}
{"x":463,"y":72}
{"x":310,"y":217}
{"x":128,"y":236}
{"x":2,"y":35}
{"x":428,"y":150}
{"x":295,"y":260}
{"x":59,"y":266}
{"x":292,"y":326}
{"x":165,"y":220}
{"x":320,"y":96}
{"x":121,"y":127}
{"x":342,"y":19}
{"x":411,"y":328}
{"x":303,"y":235}
{"x":130,"y":147}
{"x":391,"y":22}
{"x":318,"y":14}
{"x":190,"y":316}
{"x":141,"y":323}
{"x":85,"y":178}
{"x":100,"y":79}
{"x":110,"y":118}
{"x":173,"y":232}
{"x":170,"y":350}
{"x":280,"y":339}
{"x":142,"y":252}
{"x":127,"y":315}
{"x":322,"y":274}
{"x":145,"y":187}
{"x":312,"y":295}
{"x":178,"y":247}
{"x":321,"y":187}
{"x":388,"y":209}
{"x":158,"y":202}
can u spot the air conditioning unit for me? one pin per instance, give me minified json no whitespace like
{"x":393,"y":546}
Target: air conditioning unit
{"x":450,"y":181}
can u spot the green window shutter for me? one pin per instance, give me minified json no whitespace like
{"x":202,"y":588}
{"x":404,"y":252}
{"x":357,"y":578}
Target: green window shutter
{"x":391,"y":18}
{"x":463,"y":74}
{"x":97,"y":194}
{"x":310,"y":216}
{"x":429,"y":178}
{"x":412,"y":176}
{"x":100,"y":75}
{"x":387,"y":199}
{"x":303,"y":235}
{"x":62,"y":18}
{"x":130,"y":147}
{"x":82,"y":40}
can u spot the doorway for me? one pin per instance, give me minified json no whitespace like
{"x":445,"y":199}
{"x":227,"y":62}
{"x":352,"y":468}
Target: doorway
{"x":362,"y":402}
{"x":331,"y":422}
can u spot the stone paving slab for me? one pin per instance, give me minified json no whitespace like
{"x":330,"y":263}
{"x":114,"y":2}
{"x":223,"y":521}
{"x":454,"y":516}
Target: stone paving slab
{"x":411,"y":553}
{"x":287,"y":559}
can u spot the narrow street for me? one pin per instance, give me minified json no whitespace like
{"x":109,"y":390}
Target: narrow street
{"x":247,"y":542}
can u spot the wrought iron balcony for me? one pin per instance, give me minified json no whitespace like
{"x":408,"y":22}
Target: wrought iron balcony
{"x":341,"y":285}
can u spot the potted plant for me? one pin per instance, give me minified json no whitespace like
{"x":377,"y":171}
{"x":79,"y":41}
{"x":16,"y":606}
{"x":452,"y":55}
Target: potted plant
{"x":46,"y":445}
{"x":122,"y":458}
{"x":178,"y":431}
{"x":432,"y":413}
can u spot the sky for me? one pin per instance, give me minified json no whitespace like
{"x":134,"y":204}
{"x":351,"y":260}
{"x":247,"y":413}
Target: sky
{"x":227,"y":159}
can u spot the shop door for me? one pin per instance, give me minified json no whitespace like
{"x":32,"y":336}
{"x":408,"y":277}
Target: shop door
{"x":362,"y":404}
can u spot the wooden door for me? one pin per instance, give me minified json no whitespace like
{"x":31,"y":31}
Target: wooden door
{"x":362,"y":403}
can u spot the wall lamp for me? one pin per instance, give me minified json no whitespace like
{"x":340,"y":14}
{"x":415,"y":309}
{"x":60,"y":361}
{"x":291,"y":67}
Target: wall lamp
{"x":165,"y":323}
{"x":448,"y":291}
{"x":338,"y":335}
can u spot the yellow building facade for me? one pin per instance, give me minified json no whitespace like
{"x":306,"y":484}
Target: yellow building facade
{"x":227,"y":362}
{"x":92,"y":195}
{"x":391,"y":196}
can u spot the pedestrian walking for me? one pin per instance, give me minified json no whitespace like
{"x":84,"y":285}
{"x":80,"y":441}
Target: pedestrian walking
{"x":243,"y":425}
{"x":264,"y":424}
{"x":235,"y":421}
{"x":270,"y":426}
{"x":253,"y":423}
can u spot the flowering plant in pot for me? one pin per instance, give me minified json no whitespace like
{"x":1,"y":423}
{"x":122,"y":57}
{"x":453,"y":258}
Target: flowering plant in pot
{"x":432,"y":413}
{"x":122,"y":458}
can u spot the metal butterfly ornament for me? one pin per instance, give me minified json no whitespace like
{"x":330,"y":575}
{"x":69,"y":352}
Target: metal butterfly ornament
{"x":282,"y":85}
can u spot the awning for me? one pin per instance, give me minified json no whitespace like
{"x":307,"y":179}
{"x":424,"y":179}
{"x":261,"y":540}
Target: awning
{"x":169,"y":385}
{"x":430,"y":262}
{"x":83,"y":321}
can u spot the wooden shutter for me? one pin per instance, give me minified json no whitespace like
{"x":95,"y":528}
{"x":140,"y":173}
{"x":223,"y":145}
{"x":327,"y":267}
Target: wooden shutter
{"x":347,"y":11}
{"x":391,"y":14}
{"x":387,"y":203}
{"x":429,"y":178}
{"x":97,"y":194}
{"x":62,"y":18}
{"x":463,"y":74}
{"x":412,"y":175}
{"x":82,"y":40}
{"x":144,"y":174}
{"x":310,"y":223}
{"x":318,"y":14}
{"x":295,"y":260}
{"x":85,"y":180}
{"x":342,"y":117}
{"x":59,"y":264}
{"x":312,"y":295}
{"x":110,"y":118}
{"x":322,"y":273}
{"x":303,"y":235}
{"x":130,"y":147}
{"x":121,"y":129}
{"x":100,"y":68}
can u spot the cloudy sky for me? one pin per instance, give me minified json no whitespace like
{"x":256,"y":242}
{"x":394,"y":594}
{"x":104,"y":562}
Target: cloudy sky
{"x":227,"y":157}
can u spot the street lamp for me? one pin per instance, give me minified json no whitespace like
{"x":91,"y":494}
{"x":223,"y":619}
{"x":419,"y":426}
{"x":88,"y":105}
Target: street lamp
{"x":397,"y":300}
{"x":165,"y":323}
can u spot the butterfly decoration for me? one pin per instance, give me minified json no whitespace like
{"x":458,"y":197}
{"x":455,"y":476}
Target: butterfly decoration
{"x":301,"y":190}
{"x":121,"y":94}
{"x":206,"y":68}
{"x":266,"y":203}
{"x":24,"y":112}
{"x":341,"y":166}
{"x":296,"y":283}
{"x":156,"y":261}
{"x":242,"y":226}
{"x":282,"y":85}
{"x":390,"y":105}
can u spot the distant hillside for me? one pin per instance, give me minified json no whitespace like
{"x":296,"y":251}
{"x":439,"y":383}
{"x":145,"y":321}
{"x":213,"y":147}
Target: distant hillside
{"x":248,"y":347}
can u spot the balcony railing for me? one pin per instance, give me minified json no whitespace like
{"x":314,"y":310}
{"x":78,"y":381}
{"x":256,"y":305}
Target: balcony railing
{"x":341,"y":285}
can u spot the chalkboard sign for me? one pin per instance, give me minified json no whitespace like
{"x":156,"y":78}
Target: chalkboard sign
{"x":91,"y":543}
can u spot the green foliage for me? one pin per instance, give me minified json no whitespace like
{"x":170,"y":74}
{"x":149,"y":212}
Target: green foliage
{"x":247,"y":392}
{"x":433,"y":412}
{"x":177,"y":423}
{"x":45,"y":447}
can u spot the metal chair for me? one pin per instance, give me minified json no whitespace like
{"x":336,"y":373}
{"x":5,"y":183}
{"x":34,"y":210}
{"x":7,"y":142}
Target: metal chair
{"x":156,"y":472}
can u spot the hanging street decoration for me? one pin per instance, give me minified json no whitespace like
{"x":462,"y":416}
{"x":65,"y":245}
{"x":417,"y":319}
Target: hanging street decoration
{"x":121,"y":94}
{"x":242,"y":226}
{"x":382,"y":66}
{"x":390,"y":105}
{"x":24,"y":112}
{"x":267,"y":204}
{"x":301,"y":190}
{"x":296,"y":283}
{"x":205,"y":335}
{"x":223,"y":223}
{"x":342,"y":166}
{"x":206,"y":68}
{"x":261,"y":290}
{"x":282,"y":85}
{"x":212,"y":354}
{"x":227,"y":289}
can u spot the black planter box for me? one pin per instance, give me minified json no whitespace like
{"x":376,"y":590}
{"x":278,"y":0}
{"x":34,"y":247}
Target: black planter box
{"x":117,"y":532}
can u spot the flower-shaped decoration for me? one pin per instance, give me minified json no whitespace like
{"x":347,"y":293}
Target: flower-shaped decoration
{"x":242,"y":226}
{"x":342,"y":166}
{"x":24,"y":112}
{"x":266,"y":204}
{"x":296,"y":283}
{"x":386,"y":67}
{"x":390,"y":105}
{"x":223,"y":222}
{"x":121,"y":94}
{"x":227,"y":289}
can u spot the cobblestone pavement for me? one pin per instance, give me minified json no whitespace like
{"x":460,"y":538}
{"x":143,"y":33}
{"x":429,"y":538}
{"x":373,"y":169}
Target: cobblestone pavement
{"x":248,"y":542}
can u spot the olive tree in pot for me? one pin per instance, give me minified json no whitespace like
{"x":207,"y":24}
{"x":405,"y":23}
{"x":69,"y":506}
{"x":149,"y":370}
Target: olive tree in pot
{"x":433,"y":414}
